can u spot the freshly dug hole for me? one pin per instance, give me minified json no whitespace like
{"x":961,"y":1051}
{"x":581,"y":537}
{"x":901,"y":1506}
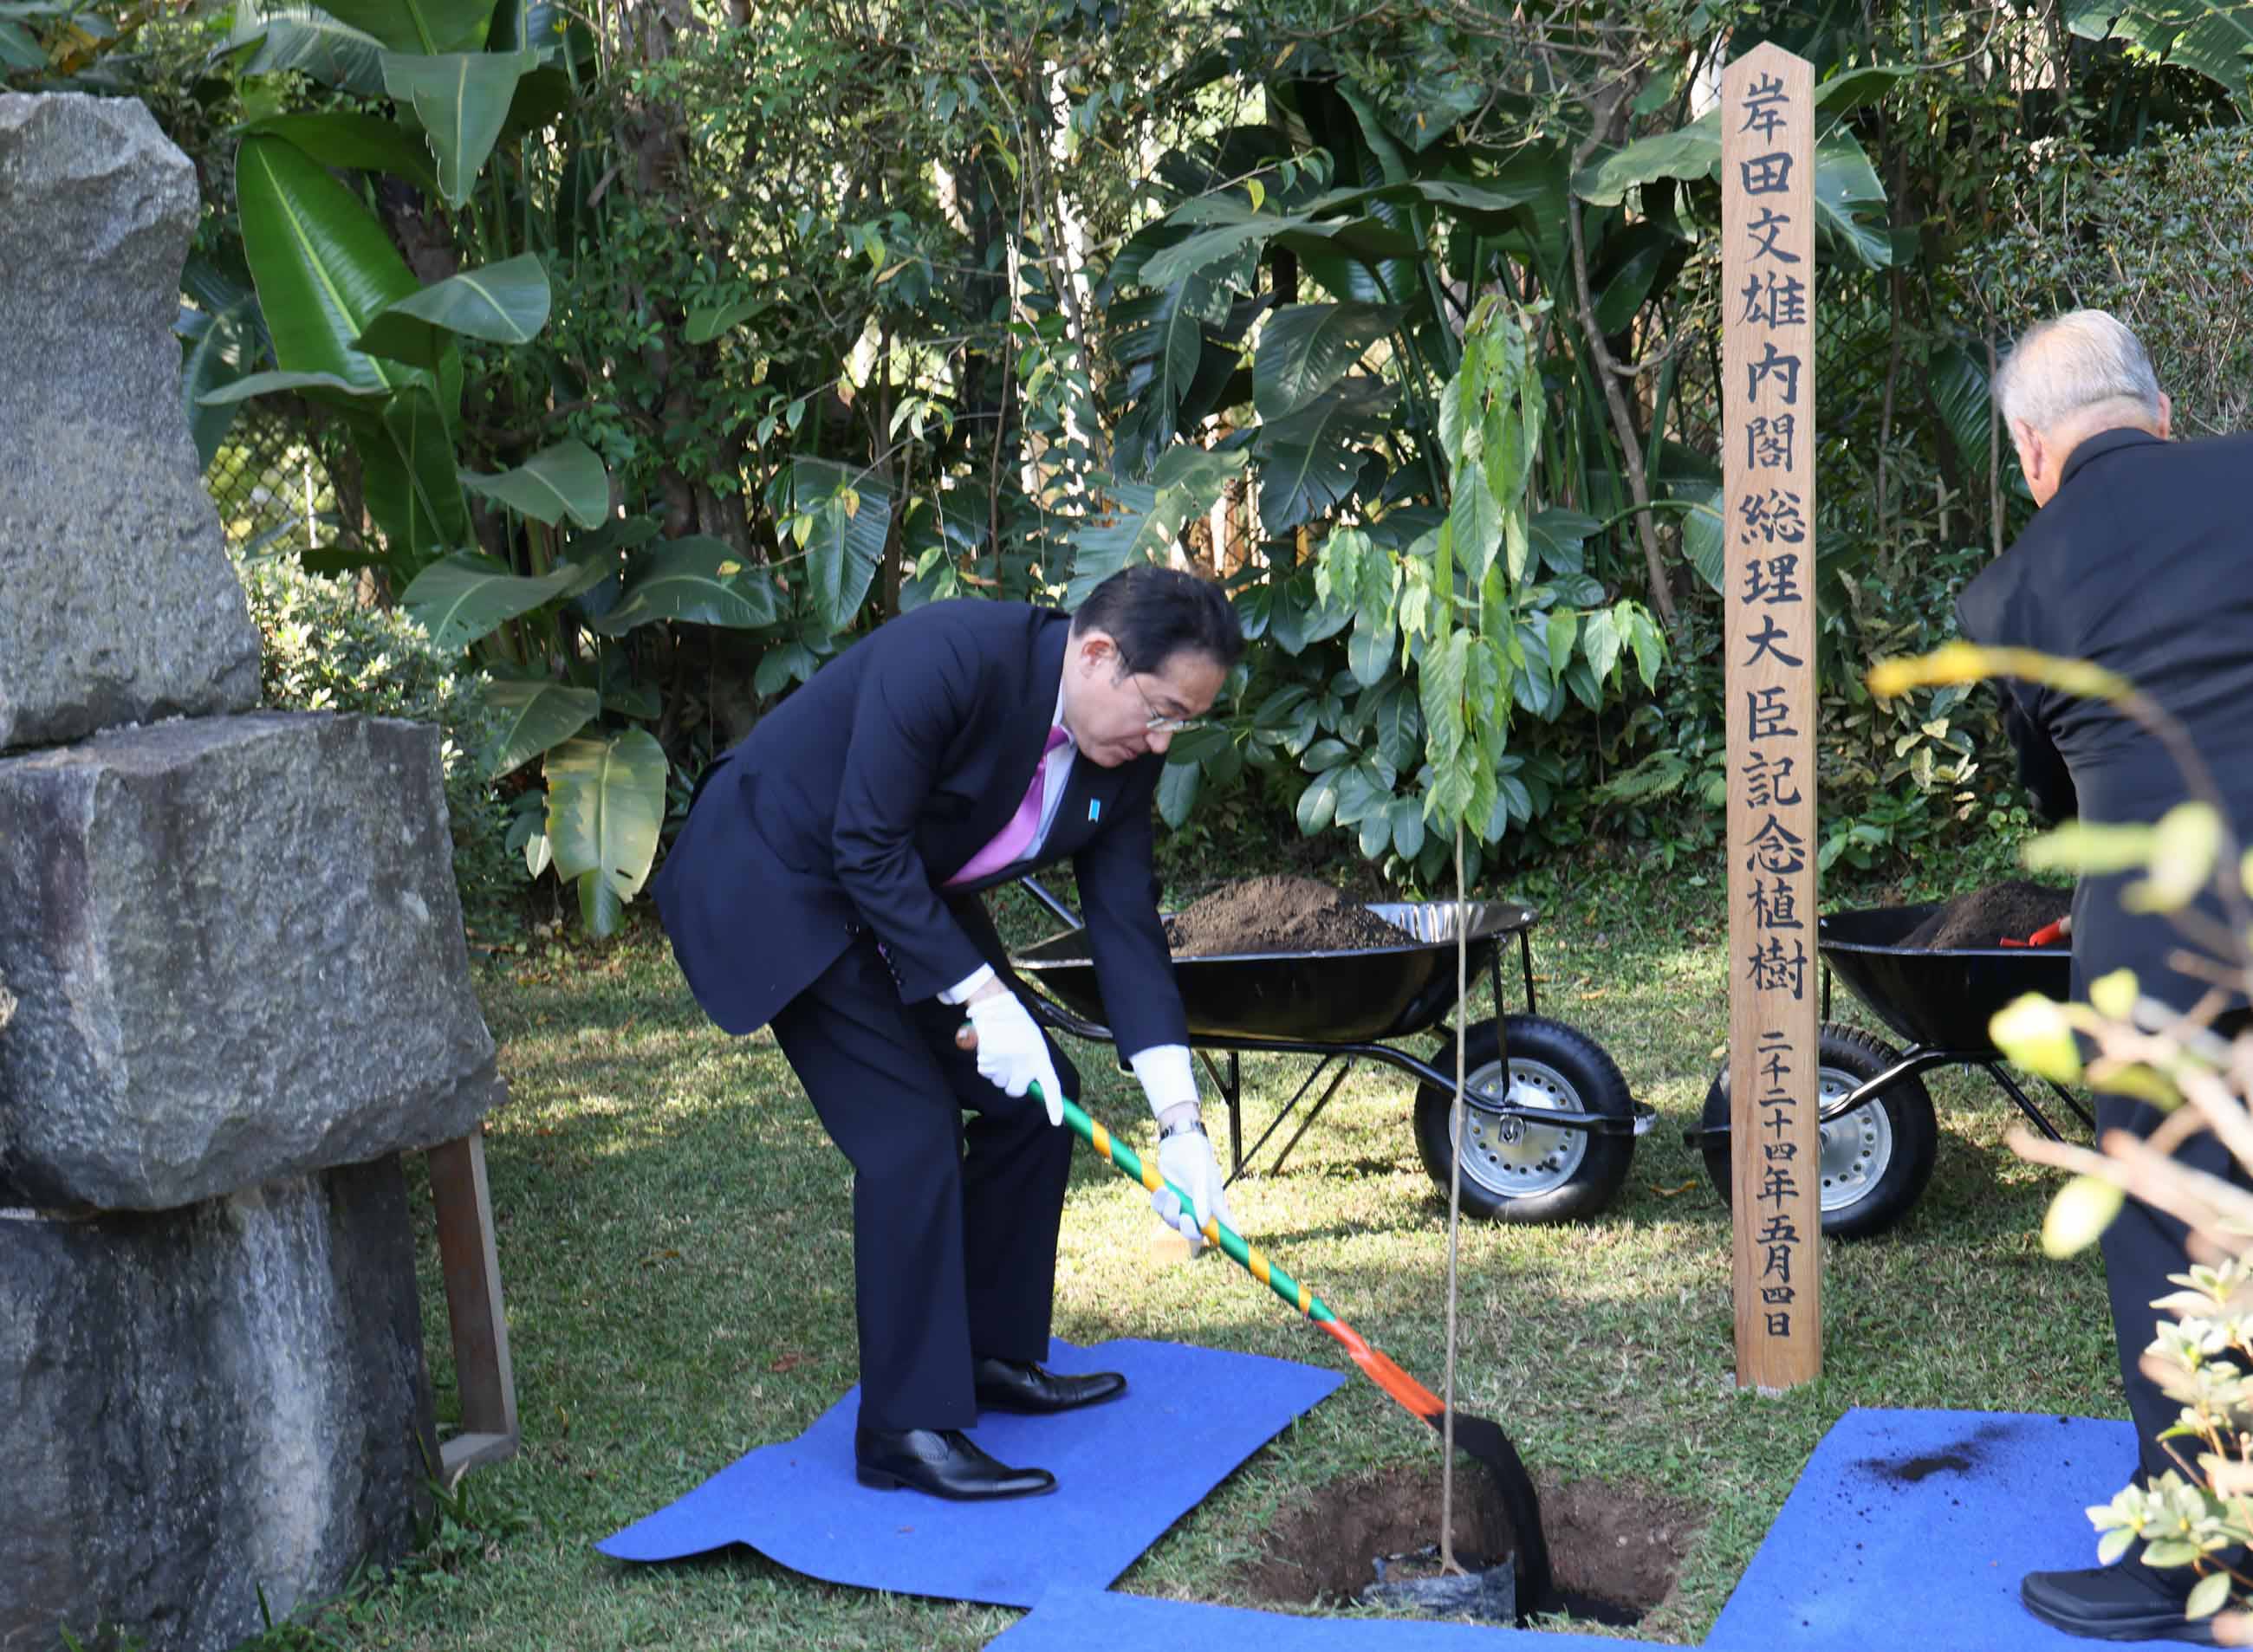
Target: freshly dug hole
{"x":1616,"y":1551}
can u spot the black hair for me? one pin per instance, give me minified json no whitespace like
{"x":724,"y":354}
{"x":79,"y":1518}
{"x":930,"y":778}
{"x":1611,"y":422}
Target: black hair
{"x":1155,"y":613}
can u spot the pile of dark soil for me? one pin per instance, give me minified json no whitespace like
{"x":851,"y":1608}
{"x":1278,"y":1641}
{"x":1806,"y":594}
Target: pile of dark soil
{"x":1616,"y":1552}
{"x":1984,"y":916}
{"x":1277,"y":914}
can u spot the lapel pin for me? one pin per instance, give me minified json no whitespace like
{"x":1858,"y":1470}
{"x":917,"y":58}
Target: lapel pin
{"x":1094,"y":807}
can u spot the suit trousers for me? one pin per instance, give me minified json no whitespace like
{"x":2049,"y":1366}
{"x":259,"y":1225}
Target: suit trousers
{"x":954,"y":1223}
{"x":2142,"y":1246}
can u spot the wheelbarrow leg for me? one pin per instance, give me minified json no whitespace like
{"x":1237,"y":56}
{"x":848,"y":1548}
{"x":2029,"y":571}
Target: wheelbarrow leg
{"x":1345,"y":1066}
{"x":1231,"y":1091}
{"x":2073,"y":1101}
{"x":2026,"y":1102}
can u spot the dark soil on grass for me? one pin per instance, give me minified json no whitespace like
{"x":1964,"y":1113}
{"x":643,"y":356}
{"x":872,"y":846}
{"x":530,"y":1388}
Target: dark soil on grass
{"x":1984,"y":916}
{"x":1616,"y":1550}
{"x":1277,"y":914}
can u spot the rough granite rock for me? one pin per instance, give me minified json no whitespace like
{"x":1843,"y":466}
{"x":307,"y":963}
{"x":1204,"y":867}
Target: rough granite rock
{"x":237,"y":955}
{"x":117,"y":604}
{"x":201,"y":1404}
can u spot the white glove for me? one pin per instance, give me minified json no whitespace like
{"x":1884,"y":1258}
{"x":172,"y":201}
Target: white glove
{"x":1185,"y":1159}
{"x":1012,"y":1053}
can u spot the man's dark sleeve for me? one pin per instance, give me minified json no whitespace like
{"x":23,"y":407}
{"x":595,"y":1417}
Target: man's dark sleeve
{"x":2041,"y":771}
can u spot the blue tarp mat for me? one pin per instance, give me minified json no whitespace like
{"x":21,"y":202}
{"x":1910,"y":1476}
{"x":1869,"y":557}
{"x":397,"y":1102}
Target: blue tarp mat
{"x":1913,"y":1528}
{"x":1125,"y":1471}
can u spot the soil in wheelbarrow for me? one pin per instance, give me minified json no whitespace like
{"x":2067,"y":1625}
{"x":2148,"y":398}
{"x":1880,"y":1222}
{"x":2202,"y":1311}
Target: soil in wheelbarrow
{"x":1983,"y":917}
{"x":1615,"y":1550}
{"x":1277,"y":914}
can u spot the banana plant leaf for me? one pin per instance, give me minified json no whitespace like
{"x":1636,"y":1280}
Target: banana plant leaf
{"x":468,"y":595}
{"x":1147,"y":517}
{"x":427,"y":27}
{"x":700,"y":579}
{"x":605,"y":805}
{"x":360,"y":142}
{"x":853,"y":517}
{"x":566,"y":480}
{"x":533,"y":716}
{"x":287,"y":37}
{"x":1305,"y":349}
{"x":323,"y":266}
{"x":1308,"y":462}
{"x":224,"y":351}
{"x":462,"y":97}
{"x":1236,"y":227}
{"x":503,"y":304}
{"x":2214,"y":39}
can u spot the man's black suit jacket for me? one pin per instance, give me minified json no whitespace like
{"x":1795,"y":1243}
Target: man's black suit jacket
{"x":847,"y":806}
{"x":2143,"y":563}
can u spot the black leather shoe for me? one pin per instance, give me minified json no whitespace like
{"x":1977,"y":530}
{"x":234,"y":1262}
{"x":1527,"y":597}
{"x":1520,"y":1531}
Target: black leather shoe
{"x":942,"y":1461}
{"x":2126,"y":1601}
{"x":1020,"y":1386}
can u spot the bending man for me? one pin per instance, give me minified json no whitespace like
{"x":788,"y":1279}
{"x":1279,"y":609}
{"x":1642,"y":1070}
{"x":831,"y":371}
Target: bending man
{"x":825,"y":885}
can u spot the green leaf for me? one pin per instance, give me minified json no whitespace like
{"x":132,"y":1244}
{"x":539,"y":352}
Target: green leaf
{"x":2036,"y":1033}
{"x":1406,"y":817}
{"x":2185,"y":846}
{"x":1308,"y":462}
{"x":849,"y":537}
{"x":1705,"y":536}
{"x":504,"y":303}
{"x":533,"y":716}
{"x":464,"y":597}
{"x":1849,"y":200}
{"x":1235,"y":225}
{"x":605,"y":804}
{"x":1687,"y":152}
{"x":700,"y":580}
{"x":1147,"y":519}
{"x":424,"y":447}
{"x":320,"y":387}
{"x":1600,"y":643}
{"x":1958,"y":383}
{"x":461,"y":98}
{"x":708,"y":321}
{"x":357,"y":143}
{"x":2213,"y":39}
{"x":1304,"y":349}
{"x":567,"y":479}
{"x":19,"y":49}
{"x":323,"y":265}
{"x":1177,"y":791}
{"x":296,"y":38}
{"x":1317,"y":804}
{"x":1474,"y":525}
{"x":221,"y":356}
{"x":423,"y":26}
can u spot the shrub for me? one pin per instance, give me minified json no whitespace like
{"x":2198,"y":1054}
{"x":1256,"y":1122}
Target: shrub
{"x":322,"y":649}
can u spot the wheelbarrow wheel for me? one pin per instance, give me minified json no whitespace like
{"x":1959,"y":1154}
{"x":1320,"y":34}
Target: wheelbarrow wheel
{"x":1876,"y":1159}
{"x":1516,"y":1170}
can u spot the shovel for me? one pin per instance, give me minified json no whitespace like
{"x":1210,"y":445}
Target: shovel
{"x":1476,"y":1438}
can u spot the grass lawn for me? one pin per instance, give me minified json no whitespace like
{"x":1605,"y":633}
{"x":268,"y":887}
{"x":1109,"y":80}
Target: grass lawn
{"x":675,"y":1241}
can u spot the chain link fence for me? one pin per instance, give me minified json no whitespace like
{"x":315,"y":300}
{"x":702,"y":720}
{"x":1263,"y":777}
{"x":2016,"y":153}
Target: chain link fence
{"x":271,"y":487}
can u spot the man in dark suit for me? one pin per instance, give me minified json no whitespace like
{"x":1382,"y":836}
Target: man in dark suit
{"x":826,"y":884}
{"x":2141,"y":560}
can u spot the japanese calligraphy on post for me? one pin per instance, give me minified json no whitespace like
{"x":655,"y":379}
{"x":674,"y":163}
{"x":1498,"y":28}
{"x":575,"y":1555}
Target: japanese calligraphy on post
{"x":1768,"y":355}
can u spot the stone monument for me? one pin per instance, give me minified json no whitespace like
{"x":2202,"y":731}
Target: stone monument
{"x":240,"y":989}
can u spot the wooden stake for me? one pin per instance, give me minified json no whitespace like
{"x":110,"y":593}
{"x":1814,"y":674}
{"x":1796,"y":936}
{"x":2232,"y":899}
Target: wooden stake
{"x":1768,"y":378}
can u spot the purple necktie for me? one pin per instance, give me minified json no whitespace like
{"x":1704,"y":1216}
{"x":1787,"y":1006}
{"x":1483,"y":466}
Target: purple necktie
{"x":1010,"y":841}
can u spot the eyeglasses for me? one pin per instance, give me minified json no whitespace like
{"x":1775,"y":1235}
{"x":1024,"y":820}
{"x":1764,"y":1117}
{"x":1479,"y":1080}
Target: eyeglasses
{"x":1158,"y":722}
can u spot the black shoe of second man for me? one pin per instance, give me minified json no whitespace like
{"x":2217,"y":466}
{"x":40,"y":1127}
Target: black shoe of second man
{"x":1020,"y":1386}
{"x":942,"y":1461}
{"x":2127,"y":1601}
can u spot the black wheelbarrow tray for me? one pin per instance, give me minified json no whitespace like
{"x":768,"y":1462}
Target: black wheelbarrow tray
{"x":1549,"y":1127}
{"x":1878,"y":1136}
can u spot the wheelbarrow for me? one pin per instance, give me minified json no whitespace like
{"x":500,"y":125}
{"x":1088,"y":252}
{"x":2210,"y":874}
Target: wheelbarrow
{"x":1549,"y":1127}
{"x":1878,"y":1136}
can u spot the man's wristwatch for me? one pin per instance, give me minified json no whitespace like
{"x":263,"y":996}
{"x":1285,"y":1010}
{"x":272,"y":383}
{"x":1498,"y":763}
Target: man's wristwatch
{"x":1194,"y":1127}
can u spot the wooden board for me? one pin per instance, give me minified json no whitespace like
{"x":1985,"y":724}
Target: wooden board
{"x":1768,"y":378}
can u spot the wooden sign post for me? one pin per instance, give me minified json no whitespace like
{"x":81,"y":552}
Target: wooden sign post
{"x":1768,"y":357}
